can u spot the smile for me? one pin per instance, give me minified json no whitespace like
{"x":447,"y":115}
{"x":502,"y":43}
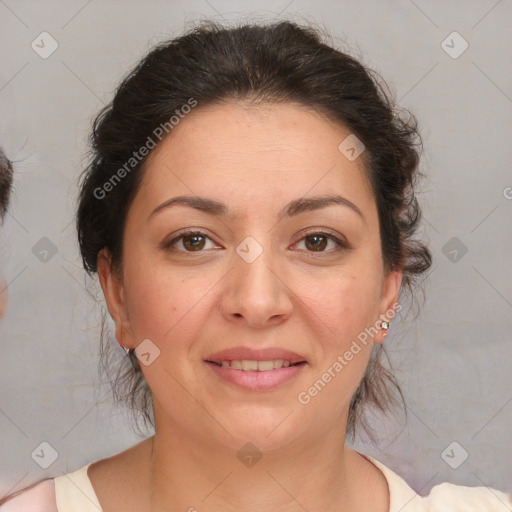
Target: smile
{"x":256,"y":375}
{"x":248,"y":365}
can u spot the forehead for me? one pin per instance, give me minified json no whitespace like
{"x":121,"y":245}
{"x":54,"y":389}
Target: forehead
{"x":245,"y":154}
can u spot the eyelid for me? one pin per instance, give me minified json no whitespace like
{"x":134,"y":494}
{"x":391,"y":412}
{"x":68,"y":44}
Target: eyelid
{"x":167,"y":244}
{"x":340,"y":241}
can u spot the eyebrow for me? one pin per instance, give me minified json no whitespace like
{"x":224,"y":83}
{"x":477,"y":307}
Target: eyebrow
{"x":293,"y":208}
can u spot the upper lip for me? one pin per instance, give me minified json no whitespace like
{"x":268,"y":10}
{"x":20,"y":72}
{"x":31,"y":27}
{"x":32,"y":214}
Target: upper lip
{"x":264,"y":354}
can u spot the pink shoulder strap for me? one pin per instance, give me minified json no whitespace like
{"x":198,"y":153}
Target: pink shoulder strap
{"x":39,"y":497}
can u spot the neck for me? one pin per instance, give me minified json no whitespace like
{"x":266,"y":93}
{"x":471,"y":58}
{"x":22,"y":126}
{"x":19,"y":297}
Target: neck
{"x":198,"y":474}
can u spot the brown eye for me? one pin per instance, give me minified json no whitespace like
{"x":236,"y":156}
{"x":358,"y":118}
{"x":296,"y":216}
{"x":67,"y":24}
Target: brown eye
{"x":316,"y":242}
{"x":194,"y":242}
{"x":191,"y":241}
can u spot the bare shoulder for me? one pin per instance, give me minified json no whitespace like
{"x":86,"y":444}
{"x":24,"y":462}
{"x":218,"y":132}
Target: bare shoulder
{"x":39,"y":497}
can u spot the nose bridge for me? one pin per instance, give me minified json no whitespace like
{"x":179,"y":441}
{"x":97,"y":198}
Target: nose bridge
{"x":256,"y":291}
{"x":253,"y":263}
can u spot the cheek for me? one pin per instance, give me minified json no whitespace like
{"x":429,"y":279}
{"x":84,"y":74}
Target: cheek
{"x":165,"y":305}
{"x":344,"y":305}
{"x":343,"y":313}
{"x":171,"y":310}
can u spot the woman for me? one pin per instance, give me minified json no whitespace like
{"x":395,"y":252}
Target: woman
{"x":250,"y":212}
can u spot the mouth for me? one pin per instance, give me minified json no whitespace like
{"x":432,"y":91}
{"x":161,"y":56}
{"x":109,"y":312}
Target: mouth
{"x":252,"y":365}
{"x":256,"y":369}
{"x":256,"y":376}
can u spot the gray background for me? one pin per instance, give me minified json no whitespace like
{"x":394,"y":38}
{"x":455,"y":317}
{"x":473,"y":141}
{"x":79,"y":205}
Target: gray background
{"x":453,"y":359}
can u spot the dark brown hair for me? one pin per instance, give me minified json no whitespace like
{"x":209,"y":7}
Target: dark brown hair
{"x":5,"y":182}
{"x":278,"y":62}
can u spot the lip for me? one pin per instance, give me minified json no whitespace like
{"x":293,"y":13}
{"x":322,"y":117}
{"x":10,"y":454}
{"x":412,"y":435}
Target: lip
{"x":264,"y":354}
{"x":255,"y":380}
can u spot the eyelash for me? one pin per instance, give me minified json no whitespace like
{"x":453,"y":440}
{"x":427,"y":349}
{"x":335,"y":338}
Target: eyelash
{"x":340,"y":244}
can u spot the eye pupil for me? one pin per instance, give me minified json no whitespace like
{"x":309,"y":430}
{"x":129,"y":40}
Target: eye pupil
{"x":197,"y":244}
{"x":319,"y":243}
{"x":196,"y":241}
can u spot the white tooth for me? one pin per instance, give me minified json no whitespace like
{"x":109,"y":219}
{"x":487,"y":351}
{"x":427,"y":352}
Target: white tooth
{"x":265,"y":366}
{"x":249,"y":365}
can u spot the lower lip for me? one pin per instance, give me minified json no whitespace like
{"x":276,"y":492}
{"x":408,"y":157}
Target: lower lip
{"x":255,"y":380}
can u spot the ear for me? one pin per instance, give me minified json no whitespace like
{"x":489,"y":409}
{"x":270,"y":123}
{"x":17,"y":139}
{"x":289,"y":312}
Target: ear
{"x":113,"y":290}
{"x":389,"y":302}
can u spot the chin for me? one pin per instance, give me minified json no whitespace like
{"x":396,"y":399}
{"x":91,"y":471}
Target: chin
{"x":266,"y":428}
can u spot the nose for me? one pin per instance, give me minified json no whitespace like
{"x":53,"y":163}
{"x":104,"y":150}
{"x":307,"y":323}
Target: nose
{"x":256,"y":294}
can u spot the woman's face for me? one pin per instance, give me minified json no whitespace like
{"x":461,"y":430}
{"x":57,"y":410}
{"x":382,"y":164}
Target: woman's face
{"x":263,"y":274}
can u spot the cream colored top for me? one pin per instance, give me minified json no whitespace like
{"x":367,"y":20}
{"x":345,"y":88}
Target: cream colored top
{"x":73,"y":492}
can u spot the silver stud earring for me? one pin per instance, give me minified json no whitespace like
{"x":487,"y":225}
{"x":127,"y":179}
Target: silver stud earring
{"x":129,"y":351}
{"x":384,"y":325}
